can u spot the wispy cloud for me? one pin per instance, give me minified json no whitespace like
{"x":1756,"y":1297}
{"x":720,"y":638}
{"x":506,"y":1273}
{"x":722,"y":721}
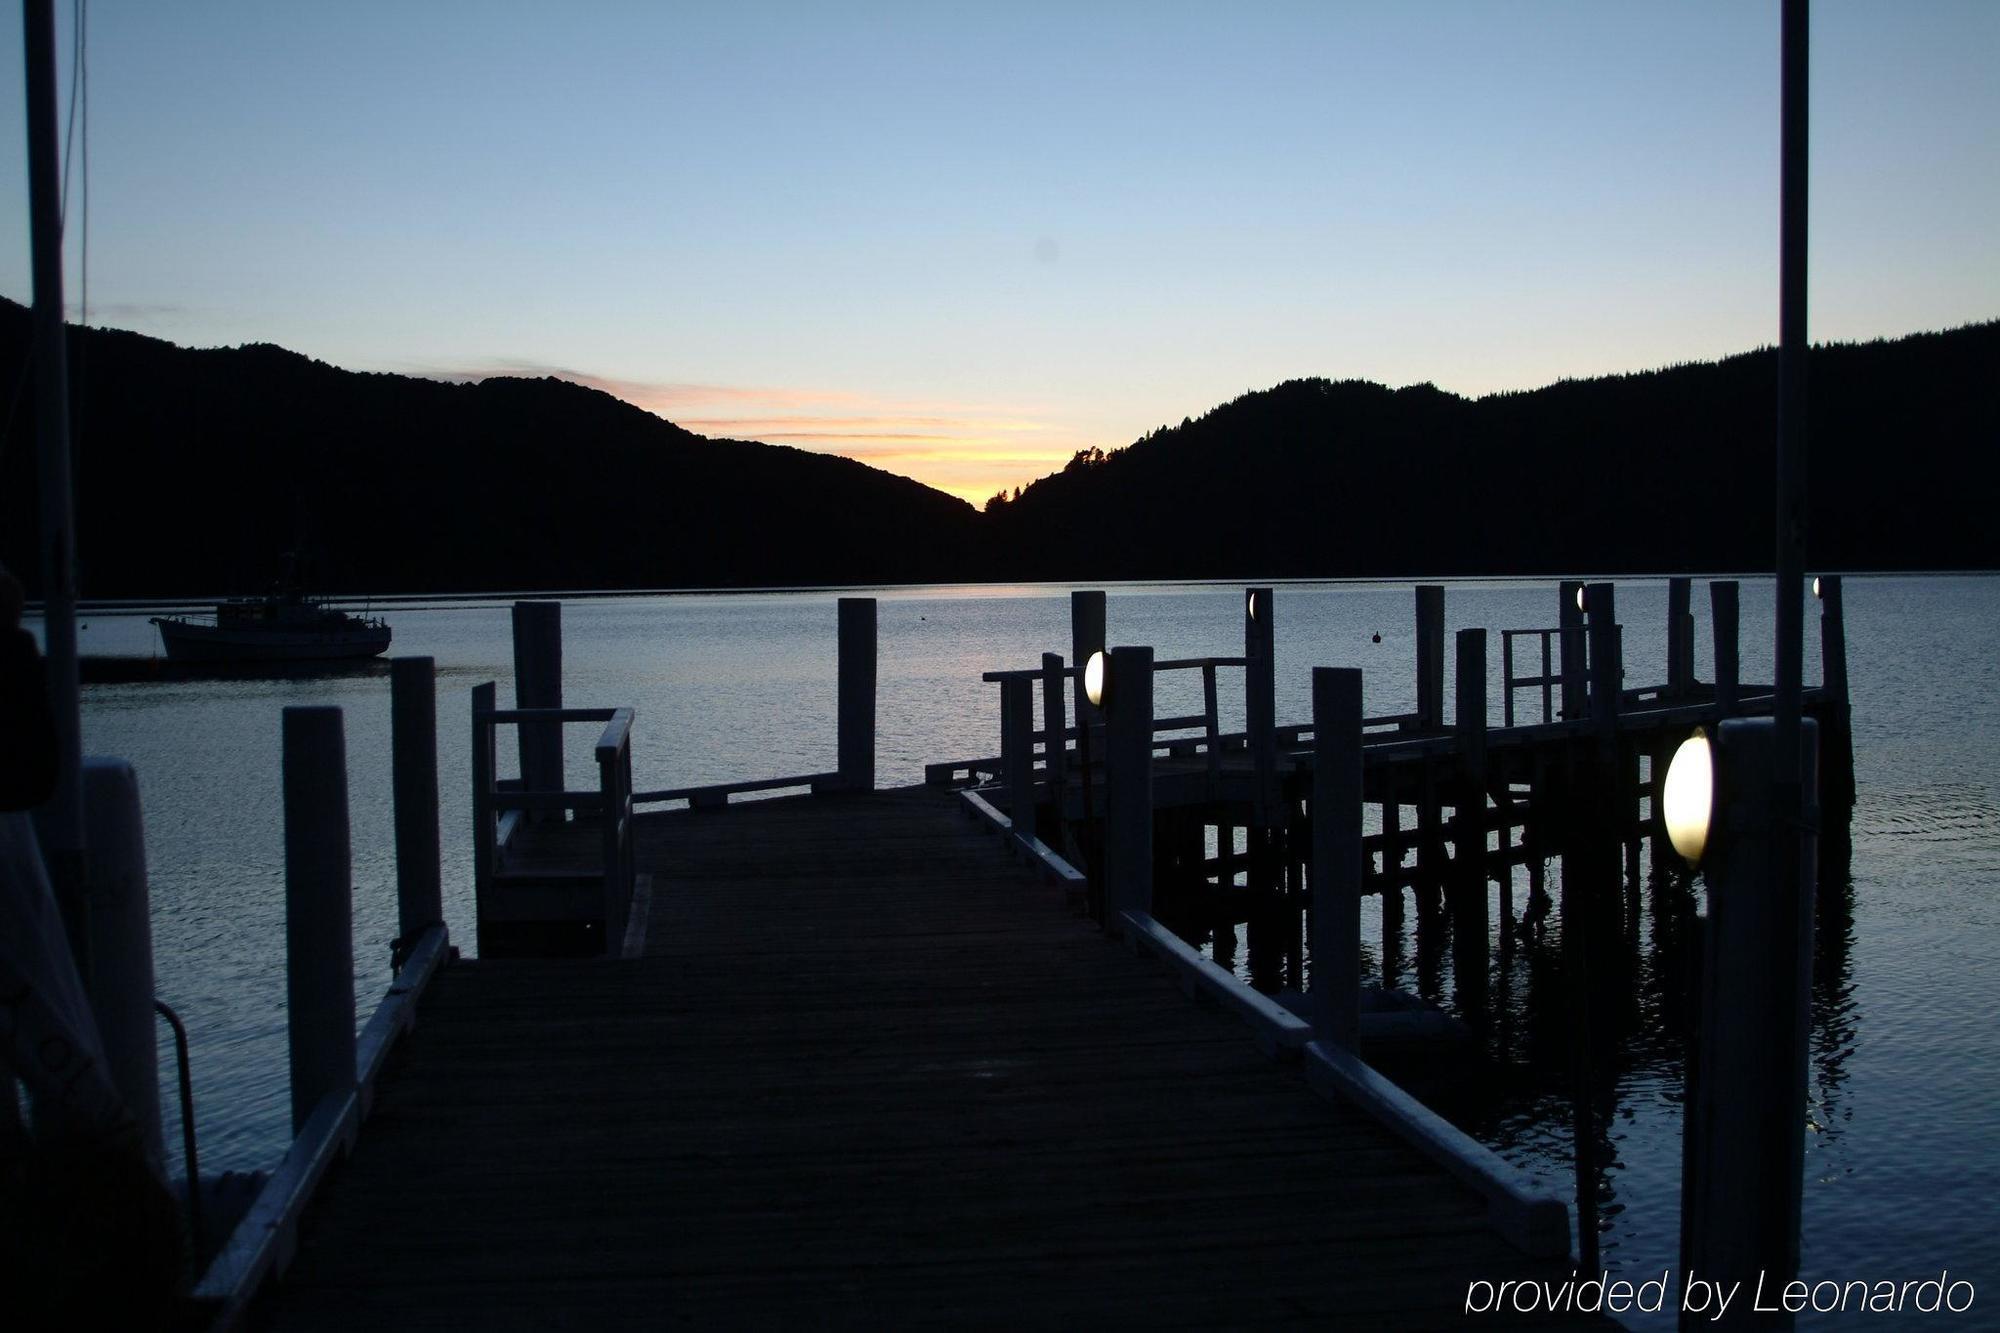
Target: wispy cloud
{"x":969,"y":450}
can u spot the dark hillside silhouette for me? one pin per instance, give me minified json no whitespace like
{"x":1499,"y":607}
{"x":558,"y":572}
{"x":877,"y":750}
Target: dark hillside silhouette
{"x":1663,"y":470}
{"x":196,"y":469}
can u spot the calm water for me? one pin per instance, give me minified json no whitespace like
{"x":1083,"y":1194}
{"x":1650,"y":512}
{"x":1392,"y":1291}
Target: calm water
{"x":1901,"y":1166}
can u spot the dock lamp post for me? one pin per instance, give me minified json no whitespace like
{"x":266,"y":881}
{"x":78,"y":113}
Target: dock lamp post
{"x":1746,"y":1084}
{"x":1122,"y":685}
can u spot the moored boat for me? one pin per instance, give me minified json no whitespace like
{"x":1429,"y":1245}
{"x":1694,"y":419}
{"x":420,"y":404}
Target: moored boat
{"x":284,"y":627}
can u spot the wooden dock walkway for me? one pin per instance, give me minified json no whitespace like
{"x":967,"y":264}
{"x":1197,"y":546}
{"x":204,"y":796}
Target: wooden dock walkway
{"x":869,"y":1070}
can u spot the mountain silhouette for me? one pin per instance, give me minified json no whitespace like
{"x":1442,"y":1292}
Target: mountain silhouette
{"x":196,"y":469}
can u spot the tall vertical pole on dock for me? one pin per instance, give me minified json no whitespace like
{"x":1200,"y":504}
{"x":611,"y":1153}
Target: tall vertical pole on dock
{"x":538,"y":684}
{"x":1260,"y":703}
{"x":1571,"y":649}
{"x":1086,"y":636}
{"x":857,"y":671}
{"x":1430,"y":656}
{"x":1055,"y":720}
{"x":414,"y":780}
{"x":319,"y":921}
{"x":61,"y":821}
{"x":1607,"y":670}
{"x":1128,"y":785}
{"x":1337,"y":856}
{"x":1723,"y":605}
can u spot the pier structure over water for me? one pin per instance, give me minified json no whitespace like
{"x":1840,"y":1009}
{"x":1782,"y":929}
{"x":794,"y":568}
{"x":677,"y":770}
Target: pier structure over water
{"x":829,"y":1055}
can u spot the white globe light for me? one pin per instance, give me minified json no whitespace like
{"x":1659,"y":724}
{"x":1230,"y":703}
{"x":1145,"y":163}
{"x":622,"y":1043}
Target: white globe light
{"x":1096,"y":679}
{"x":1579,"y":597}
{"x":1688,"y":799}
{"x":1251,"y":605}
{"x":1815,"y":585}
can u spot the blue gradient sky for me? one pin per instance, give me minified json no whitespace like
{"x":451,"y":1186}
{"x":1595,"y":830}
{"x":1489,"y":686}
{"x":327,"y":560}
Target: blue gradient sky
{"x":961,"y":243}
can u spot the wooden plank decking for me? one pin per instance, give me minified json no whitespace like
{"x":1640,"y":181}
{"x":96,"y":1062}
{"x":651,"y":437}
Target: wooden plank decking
{"x":869,"y":1072}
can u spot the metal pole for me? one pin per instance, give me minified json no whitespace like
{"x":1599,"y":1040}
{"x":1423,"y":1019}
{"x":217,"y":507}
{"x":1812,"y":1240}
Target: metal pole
{"x":61,"y":821}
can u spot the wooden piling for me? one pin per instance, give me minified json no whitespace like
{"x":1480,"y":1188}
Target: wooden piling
{"x":1607,"y":671}
{"x":1680,"y":637}
{"x":319,"y":938}
{"x":1086,"y":636}
{"x":538,"y":684}
{"x":1128,"y":797}
{"x":1572,"y":651}
{"x":1836,"y":753}
{"x":1260,"y":702}
{"x":856,"y":702}
{"x":1471,"y":923}
{"x":1722,"y":600}
{"x":1017,"y":751}
{"x":1337,"y":857}
{"x":1746,"y":1121}
{"x":414,"y":781}
{"x":1055,"y":718}
{"x":1430,"y":656}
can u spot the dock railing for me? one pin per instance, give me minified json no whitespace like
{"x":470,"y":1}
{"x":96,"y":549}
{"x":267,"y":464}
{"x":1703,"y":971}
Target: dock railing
{"x":499,"y":804}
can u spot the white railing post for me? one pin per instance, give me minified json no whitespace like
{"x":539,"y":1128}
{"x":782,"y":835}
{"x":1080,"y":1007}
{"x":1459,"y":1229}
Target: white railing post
{"x":120,"y":923}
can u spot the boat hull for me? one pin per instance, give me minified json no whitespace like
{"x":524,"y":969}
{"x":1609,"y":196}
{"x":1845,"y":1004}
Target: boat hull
{"x":188,"y":642}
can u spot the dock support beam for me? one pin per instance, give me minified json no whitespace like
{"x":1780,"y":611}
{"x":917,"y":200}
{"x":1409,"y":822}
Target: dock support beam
{"x":1837,"y":733}
{"x":319,"y":924}
{"x":1607,"y":670}
{"x":1260,"y":702}
{"x":1128,"y":796}
{"x":121,"y":943}
{"x":856,"y":745}
{"x":1430,"y":656}
{"x":1746,"y":1113}
{"x":1337,"y":857}
{"x":1722,"y":601}
{"x":413,"y":730}
{"x":538,"y":684}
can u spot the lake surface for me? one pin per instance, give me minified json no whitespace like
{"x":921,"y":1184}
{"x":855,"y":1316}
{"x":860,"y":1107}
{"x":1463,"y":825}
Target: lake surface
{"x":1902,"y":1167}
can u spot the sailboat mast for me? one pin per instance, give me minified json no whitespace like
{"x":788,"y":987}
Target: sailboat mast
{"x":62,"y":821}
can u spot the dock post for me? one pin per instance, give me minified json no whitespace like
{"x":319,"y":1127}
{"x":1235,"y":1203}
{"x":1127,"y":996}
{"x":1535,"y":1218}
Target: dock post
{"x":1607,"y":670}
{"x":1086,"y":636}
{"x":1722,"y":599}
{"x":1680,"y":638}
{"x":319,"y":924}
{"x":413,"y":745}
{"x":1055,"y":718}
{"x":1017,"y":751}
{"x":538,"y":684}
{"x":1837,"y":732}
{"x":1430,"y":656}
{"x":856,"y":718}
{"x":1337,"y":856}
{"x":1746,"y":1116}
{"x":1571,"y":650}
{"x":1471,"y":921}
{"x":1128,"y":783}
{"x":1260,"y":703}
{"x":120,"y":924}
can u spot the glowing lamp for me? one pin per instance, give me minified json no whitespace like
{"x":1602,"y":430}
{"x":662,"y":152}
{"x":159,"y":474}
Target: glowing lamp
{"x":1688,"y":801}
{"x":1097,"y":680}
{"x":1815,"y":585}
{"x":1579,"y":597}
{"x":1250,"y":605}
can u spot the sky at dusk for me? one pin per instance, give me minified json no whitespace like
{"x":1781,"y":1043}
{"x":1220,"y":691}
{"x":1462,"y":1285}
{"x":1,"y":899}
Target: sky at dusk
{"x":963,"y":242}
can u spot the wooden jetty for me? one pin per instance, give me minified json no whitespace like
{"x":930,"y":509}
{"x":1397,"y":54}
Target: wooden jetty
{"x":829,"y":1055}
{"x":866,"y":1071}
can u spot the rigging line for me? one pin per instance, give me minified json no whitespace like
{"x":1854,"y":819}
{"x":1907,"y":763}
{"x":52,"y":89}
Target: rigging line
{"x":69,"y":130}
